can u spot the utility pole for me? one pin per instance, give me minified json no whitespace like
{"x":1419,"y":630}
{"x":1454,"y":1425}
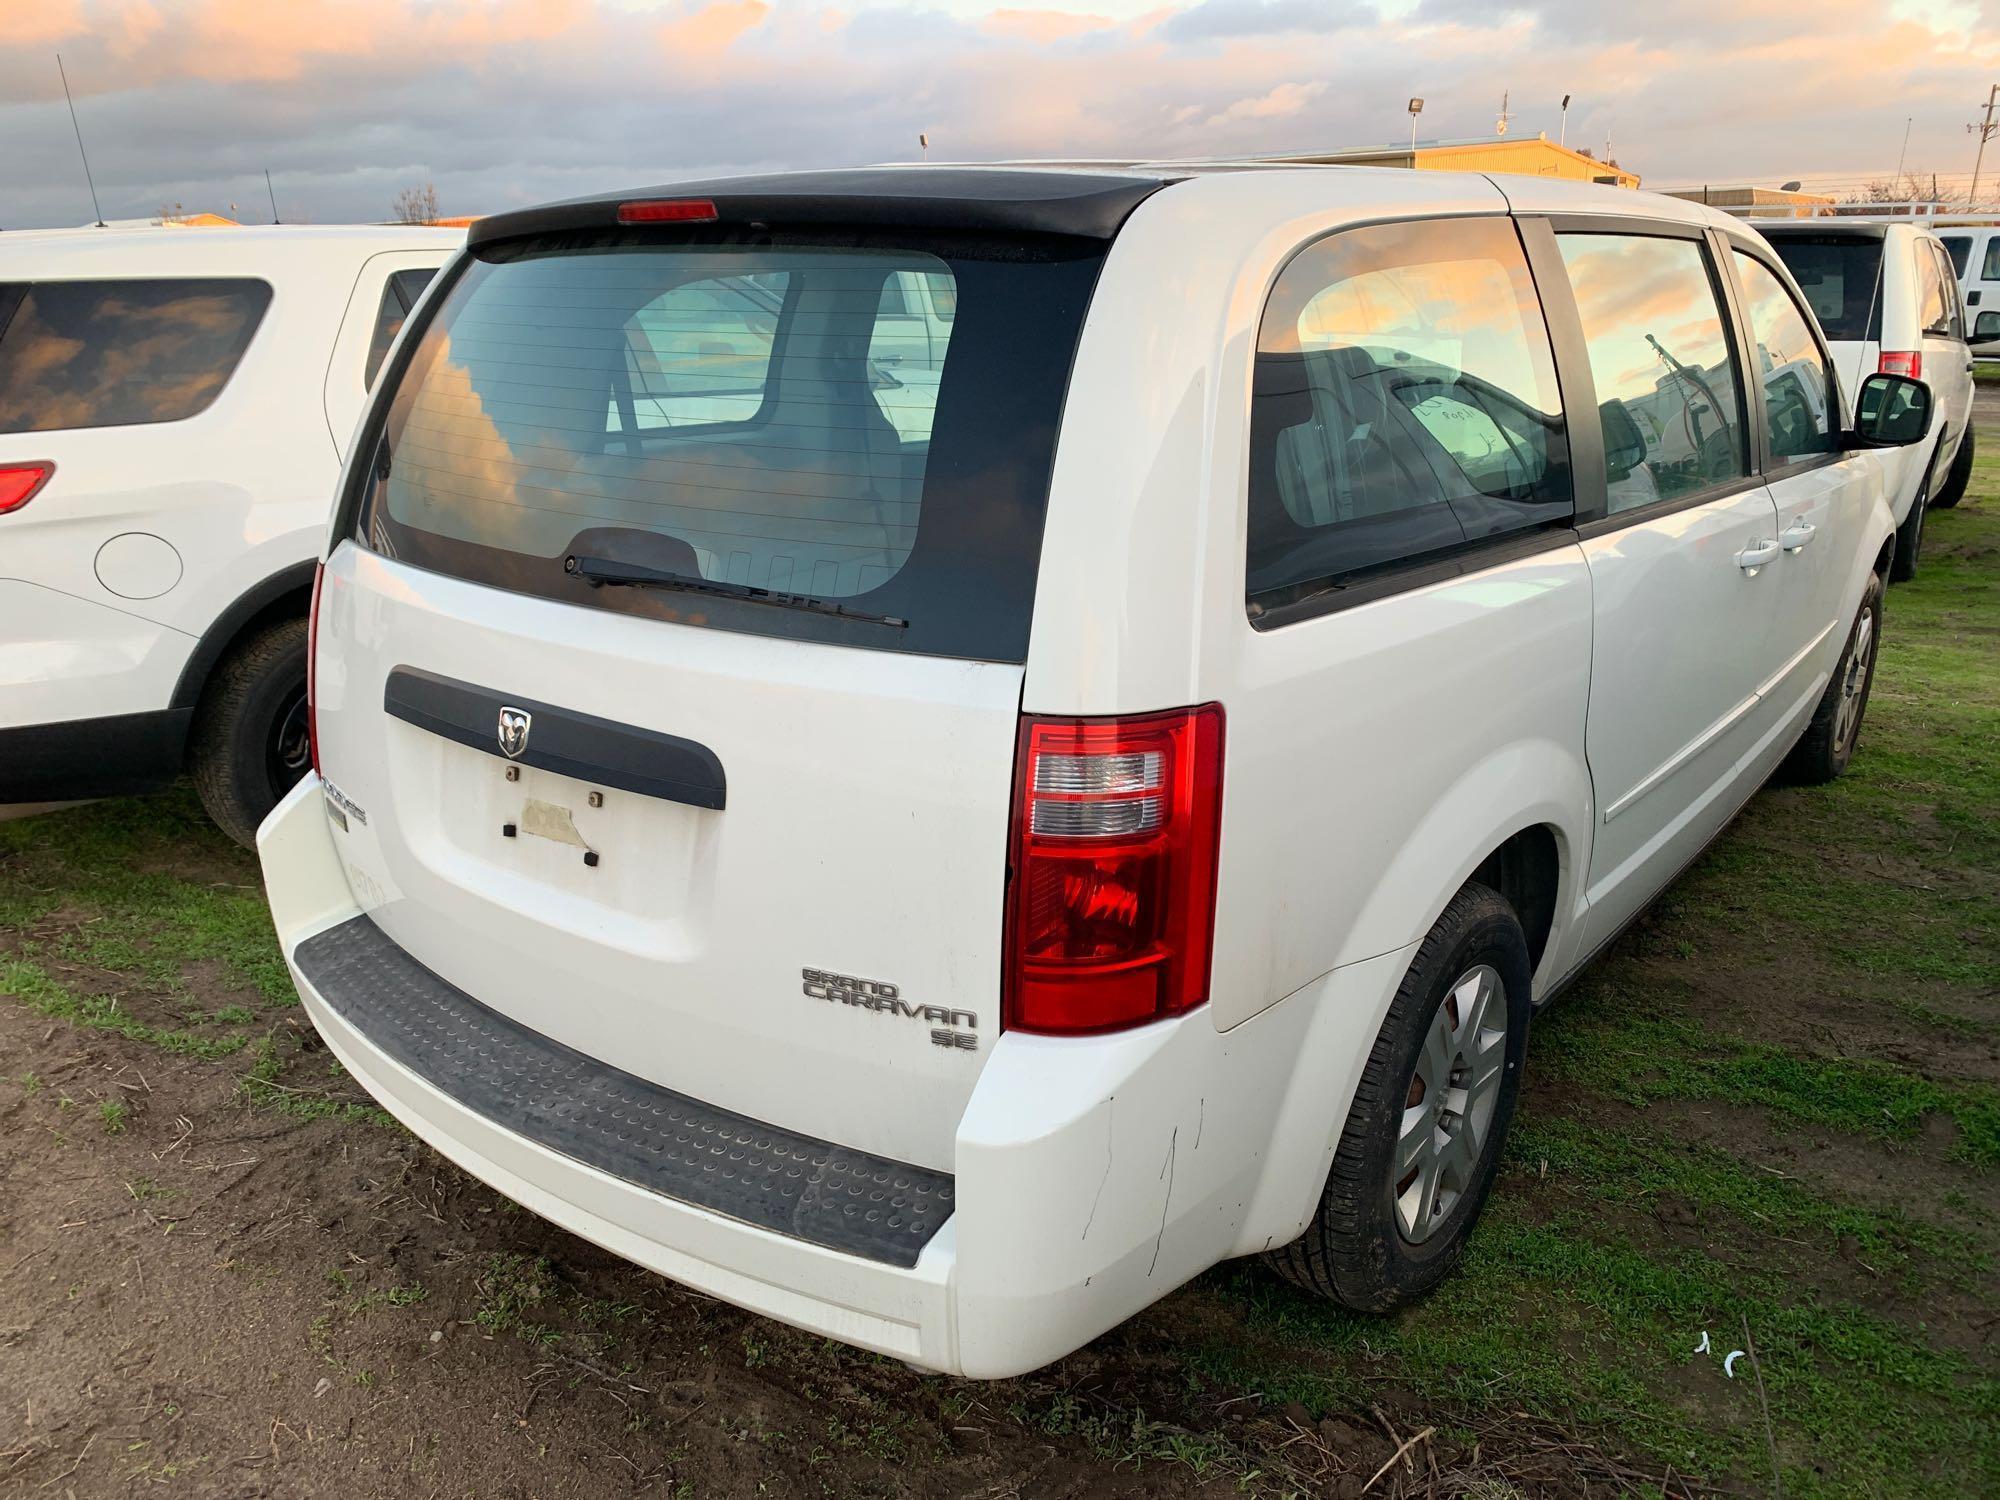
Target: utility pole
{"x":1984,"y":131}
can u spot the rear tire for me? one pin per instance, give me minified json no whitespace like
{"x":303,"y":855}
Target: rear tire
{"x":249,"y":744}
{"x":1416,"y":1159}
{"x":1953,"y":489}
{"x":1827,"y":746}
{"x":1910,"y":535}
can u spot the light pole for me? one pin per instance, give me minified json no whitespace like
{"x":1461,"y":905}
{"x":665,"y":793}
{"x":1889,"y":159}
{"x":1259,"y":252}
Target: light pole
{"x":1563,"y":139}
{"x":1416,"y":107}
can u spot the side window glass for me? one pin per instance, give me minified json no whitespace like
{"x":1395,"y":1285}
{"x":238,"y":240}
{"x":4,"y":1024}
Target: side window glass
{"x":1935,"y":320}
{"x":1989,"y":265}
{"x":700,"y":354}
{"x":1405,"y":405}
{"x":1798,"y":391}
{"x":399,"y":294}
{"x":1959,"y":248}
{"x":1667,"y":385}
{"x":1954,"y":303}
{"x":123,"y":353}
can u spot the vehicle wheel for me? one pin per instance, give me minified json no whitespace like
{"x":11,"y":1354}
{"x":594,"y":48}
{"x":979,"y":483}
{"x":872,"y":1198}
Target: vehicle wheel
{"x":1910,"y":535}
{"x":249,"y":741}
{"x":1953,"y":489}
{"x":1422,"y":1141}
{"x":1826,"y":747}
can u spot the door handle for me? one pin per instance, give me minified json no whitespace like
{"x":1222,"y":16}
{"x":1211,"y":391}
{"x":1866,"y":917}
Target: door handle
{"x":1797,"y":535}
{"x":1754,"y":556}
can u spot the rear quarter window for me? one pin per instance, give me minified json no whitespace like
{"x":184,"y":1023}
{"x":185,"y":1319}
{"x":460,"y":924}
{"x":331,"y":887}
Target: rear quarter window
{"x":121,"y":353}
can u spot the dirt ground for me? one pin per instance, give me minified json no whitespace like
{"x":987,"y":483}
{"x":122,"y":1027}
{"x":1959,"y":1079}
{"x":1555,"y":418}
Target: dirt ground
{"x":220,"y":1300}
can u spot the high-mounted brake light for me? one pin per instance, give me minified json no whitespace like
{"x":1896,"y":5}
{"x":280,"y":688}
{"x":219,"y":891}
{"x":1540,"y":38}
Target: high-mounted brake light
{"x":20,"y":483}
{"x":667,"y":211}
{"x":1111,"y":901}
{"x":312,"y":669}
{"x":1909,"y":362}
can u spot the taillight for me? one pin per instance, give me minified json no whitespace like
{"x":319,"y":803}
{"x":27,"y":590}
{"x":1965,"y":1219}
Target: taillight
{"x":1909,"y":362}
{"x":1111,"y":902}
{"x":312,"y":669}
{"x":667,"y":211}
{"x":20,"y":483}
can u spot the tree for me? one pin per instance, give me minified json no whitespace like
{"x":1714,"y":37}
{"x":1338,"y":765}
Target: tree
{"x":416,"y":205}
{"x":1911,"y":187}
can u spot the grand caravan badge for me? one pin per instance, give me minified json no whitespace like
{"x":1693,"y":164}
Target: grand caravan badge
{"x":886,"y":999}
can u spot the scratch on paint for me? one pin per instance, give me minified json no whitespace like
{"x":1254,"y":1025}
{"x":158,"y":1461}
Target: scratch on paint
{"x":1200,"y":1122}
{"x":1167,"y":1172}
{"x":1109,"y":1103}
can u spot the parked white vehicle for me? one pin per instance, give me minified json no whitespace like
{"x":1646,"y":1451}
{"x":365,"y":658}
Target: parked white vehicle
{"x":174,"y":407}
{"x":946,"y":889}
{"x":1975,"y":259}
{"x":1887,"y":299}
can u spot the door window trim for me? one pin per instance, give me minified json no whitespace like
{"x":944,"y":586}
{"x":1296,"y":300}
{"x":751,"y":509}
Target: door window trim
{"x":1598,"y":518}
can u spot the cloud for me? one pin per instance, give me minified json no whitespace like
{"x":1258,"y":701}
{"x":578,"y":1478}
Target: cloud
{"x":1214,"y":20}
{"x":1274,"y":104}
{"x":507,"y":102}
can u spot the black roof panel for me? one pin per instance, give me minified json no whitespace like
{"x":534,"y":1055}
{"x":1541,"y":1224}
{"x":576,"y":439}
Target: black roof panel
{"x":1003,"y":199}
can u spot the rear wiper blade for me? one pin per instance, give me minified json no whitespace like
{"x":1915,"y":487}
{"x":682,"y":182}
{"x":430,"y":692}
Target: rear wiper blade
{"x":601,"y":572}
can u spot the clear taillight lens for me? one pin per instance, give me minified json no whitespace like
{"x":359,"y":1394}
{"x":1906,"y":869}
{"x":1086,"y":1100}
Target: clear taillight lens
{"x":1111,"y":900}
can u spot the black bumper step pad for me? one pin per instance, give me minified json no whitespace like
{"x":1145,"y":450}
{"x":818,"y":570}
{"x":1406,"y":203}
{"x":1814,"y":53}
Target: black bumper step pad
{"x":652,"y":1137}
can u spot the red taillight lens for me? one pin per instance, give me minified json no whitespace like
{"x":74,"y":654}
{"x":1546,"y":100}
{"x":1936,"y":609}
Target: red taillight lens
{"x":1111,"y":902}
{"x":20,"y":483}
{"x":667,"y":211}
{"x":312,"y":669}
{"x":1909,"y":362}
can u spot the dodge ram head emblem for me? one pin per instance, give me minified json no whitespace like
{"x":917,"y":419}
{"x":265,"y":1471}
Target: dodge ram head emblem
{"x":514,"y":724}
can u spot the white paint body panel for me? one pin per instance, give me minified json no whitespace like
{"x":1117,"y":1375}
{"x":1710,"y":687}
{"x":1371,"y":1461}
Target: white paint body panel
{"x":1374,"y":757}
{"x":239,"y":491}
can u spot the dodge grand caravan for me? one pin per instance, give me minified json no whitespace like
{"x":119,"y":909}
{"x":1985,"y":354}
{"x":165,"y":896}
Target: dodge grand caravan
{"x":942,"y":861}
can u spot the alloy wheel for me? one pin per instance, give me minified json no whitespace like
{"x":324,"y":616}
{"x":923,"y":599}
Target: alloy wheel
{"x":1448,"y":1107}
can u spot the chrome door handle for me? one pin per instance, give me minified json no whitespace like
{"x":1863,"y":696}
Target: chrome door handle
{"x":1797,"y":535}
{"x":1754,"y":556}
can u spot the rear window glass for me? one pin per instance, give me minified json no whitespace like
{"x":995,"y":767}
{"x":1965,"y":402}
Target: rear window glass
{"x":120,"y":353}
{"x":1840,"y":278}
{"x":1959,"y":248}
{"x":847,"y":441}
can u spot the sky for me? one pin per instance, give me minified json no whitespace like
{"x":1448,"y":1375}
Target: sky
{"x":508,"y":102}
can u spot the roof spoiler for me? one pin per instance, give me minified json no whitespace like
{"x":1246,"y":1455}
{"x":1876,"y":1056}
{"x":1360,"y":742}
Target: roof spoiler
{"x":1091,"y":205}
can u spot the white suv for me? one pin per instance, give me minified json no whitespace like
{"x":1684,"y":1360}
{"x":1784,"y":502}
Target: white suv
{"x":174,"y":407}
{"x":1887,"y":298}
{"x":944,"y":885}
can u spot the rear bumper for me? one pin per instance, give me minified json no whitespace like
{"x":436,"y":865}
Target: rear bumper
{"x":1092,"y":1176}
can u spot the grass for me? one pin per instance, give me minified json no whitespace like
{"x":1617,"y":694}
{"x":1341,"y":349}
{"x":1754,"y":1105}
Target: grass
{"x":1769,"y":1115}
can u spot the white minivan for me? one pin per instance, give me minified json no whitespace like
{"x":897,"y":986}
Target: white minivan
{"x":944,"y":884}
{"x":174,"y":407}
{"x":1887,"y":299}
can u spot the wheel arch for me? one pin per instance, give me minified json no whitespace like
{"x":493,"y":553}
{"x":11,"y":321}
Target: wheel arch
{"x":1517,"y":821}
{"x":283,"y":594}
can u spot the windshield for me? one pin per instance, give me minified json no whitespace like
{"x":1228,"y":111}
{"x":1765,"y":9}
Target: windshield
{"x":846,"y":421}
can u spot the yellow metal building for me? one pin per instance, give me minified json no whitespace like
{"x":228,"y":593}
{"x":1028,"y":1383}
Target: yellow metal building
{"x":1521,"y":156}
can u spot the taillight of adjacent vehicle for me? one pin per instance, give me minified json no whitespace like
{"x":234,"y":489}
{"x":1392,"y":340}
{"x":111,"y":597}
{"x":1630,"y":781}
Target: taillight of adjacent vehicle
{"x":1906,"y":362}
{"x":312,"y":669}
{"x":1111,"y":900}
{"x":20,"y":483}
